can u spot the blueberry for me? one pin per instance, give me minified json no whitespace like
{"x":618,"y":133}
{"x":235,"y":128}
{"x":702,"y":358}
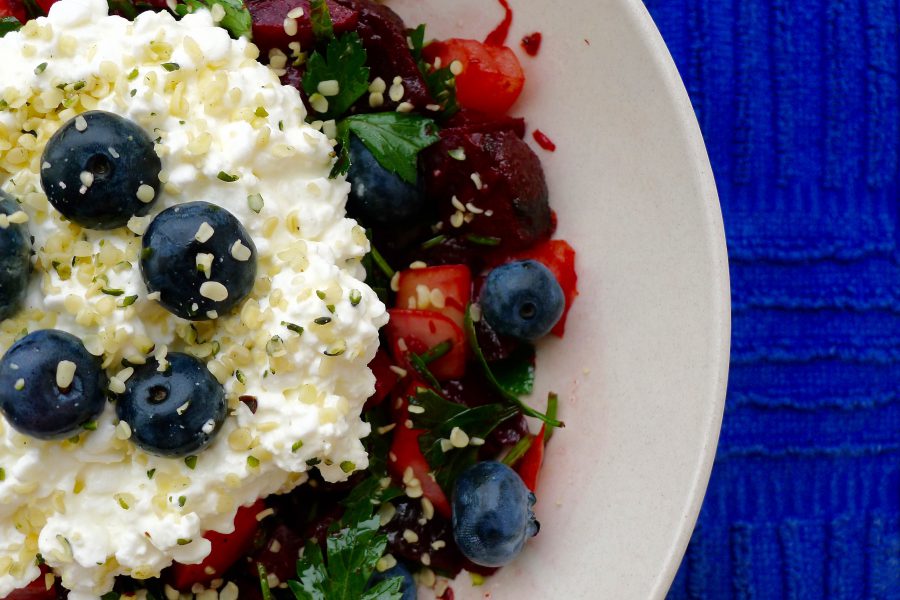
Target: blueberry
{"x":172,"y":261}
{"x":100,"y":169}
{"x":175,"y":412}
{"x":377,"y":196}
{"x":30,"y":397}
{"x":522,"y":299}
{"x":407,"y":588}
{"x":15,"y":261}
{"x":492,"y":515}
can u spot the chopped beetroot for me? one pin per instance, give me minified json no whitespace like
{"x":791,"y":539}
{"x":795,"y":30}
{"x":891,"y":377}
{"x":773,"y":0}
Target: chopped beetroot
{"x":278,"y":553}
{"x":497,"y":180}
{"x":476,"y":122}
{"x":268,"y":22}
{"x":384,"y":36}
{"x":446,"y":558}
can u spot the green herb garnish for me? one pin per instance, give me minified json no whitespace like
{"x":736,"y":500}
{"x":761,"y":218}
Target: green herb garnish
{"x":508,"y":394}
{"x":8,"y":24}
{"x":440,"y":82}
{"x":236,"y":21}
{"x":439,"y":418}
{"x":320,"y":18}
{"x":344,"y":61}
{"x":342,"y":573}
{"x":395,"y":139}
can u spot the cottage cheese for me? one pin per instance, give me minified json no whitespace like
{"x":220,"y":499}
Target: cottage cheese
{"x":97,"y":507}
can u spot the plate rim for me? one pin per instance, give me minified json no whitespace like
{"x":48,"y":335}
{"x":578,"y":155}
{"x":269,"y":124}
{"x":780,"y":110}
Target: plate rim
{"x":720,"y":285}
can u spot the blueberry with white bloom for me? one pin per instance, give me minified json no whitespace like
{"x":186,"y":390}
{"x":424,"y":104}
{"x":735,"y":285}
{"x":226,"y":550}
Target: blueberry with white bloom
{"x":522,"y":299}
{"x":407,"y":587}
{"x":176,"y":411}
{"x":50,"y":385}
{"x":15,"y":259}
{"x":492,"y":514}
{"x":199,"y":259}
{"x":378,"y":196}
{"x":100,"y":169}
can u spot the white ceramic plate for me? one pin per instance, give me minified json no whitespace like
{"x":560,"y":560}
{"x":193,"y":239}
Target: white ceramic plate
{"x":642,"y":370}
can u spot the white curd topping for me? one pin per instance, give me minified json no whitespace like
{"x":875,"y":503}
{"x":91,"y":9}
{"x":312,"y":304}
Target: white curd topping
{"x":96,"y":507}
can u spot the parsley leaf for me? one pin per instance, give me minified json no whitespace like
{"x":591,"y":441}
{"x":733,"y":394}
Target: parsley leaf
{"x":343,"y":574}
{"x":439,"y":418}
{"x":344,"y":62}
{"x":440,"y":82}
{"x":236,"y":21}
{"x":320,"y":17}
{"x":8,"y":24}
{"x":516,"y":373}
{"x":510,"y":394}
{"x":395,"y":139}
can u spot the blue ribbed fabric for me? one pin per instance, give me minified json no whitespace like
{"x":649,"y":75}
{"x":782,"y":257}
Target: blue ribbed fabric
{"x":799,"y":102}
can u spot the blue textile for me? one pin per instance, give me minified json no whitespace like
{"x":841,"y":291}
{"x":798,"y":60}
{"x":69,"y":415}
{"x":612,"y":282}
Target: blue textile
{"x":799,"y":102}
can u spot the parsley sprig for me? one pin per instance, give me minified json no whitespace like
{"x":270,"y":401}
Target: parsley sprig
{"x":236,"y":21}
{"x":343,"y":571}
{"x":441,"y":83}
{"x":395,"y":139}
{"x":320,"y":19}
{"x":8,"y":24}
{"x":510,"y":393}
{"x":439,"y":418}
{"x":344,"y":61}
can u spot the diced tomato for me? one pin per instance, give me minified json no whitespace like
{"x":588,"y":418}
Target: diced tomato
{"x":491,"y":78}
{"x":421,"y":330}
{"x":559,"y":257}
{"x":37,"y":589}
{"x":405,"y":448}
{"x":453,"y":281}
{"x":385,"y":378}
{"x":227,"y":548}
{"x":13,"y":8}
{"x":530,"y":465}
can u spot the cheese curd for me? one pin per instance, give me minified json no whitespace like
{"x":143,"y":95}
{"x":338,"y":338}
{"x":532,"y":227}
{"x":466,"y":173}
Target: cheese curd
{"x":228,"y":133}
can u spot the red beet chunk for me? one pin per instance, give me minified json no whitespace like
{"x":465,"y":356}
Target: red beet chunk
{"x":446,"y":559}
{"x":500,"y":176}
{"x":278,"y":554}
{"x":384,"y":36}
{"x":476,"y":122}
{"x":268,"y":22}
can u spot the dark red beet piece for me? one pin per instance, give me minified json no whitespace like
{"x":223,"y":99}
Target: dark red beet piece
{"x":268,"y":22}
{"x":384,"y":36}
{"x":476,"y":122}
{"x":446,"y":559}
{"x":278,"y":554}
{"x":512,"y":199}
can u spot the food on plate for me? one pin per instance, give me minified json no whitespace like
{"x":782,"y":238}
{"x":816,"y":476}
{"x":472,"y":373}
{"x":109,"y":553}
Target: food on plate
{"x":213,"y":380}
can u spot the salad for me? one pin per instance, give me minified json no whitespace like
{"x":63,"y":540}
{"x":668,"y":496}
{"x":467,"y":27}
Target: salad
{"x":449,"y":234}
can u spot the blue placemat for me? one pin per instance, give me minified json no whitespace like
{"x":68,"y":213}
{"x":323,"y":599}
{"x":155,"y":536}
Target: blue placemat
{"x":799,"y":102}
